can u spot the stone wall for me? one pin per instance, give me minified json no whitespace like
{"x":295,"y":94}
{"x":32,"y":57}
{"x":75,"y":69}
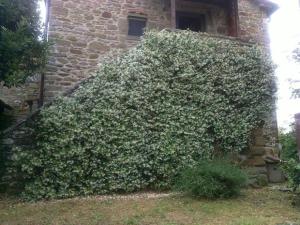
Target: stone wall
{"x":84,"y":31}
{"x":253,"y":22}
{"x":23,"y":99}
{"x":263,"y":154}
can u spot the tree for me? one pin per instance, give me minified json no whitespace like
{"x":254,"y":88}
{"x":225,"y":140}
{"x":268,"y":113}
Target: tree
{"x":22,"y":49}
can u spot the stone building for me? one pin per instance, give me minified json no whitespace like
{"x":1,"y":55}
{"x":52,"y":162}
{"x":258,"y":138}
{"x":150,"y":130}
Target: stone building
{"x":83,"y":31}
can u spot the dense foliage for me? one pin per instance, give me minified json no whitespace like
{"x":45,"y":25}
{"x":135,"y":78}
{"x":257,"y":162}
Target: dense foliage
{"x":22,"y":54}
{"x":289,"y":144}
{"x":291,"y":164}
{"x":292,"y":171}
{"x":211,"y":179}
{"x":289,"y":154}
{"x":176,"y":98}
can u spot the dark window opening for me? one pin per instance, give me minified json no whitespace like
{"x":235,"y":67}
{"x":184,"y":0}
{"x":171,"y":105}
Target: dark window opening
{"x":136,"y":25}
{"x":191,"y":21}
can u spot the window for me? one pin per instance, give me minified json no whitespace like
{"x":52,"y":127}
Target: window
{"x":136,"y":25}
{"x":191,"y":21}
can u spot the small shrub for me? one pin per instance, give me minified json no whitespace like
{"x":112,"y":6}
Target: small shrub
{"x":214,"y":179}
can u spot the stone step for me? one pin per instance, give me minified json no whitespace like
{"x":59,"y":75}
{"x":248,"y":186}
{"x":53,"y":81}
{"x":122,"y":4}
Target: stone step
{"x":260,"y":150}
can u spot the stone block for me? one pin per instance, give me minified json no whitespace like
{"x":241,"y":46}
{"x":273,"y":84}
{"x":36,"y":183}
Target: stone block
{"x":94,"y":56}
{"x":60,"y":11}
{"x":259,"y":151}
{"x":255,"y":161}
{"x":106,"y":15}
{"x":112,"y":27}
{"x":275,"y":174}
{"x":89,"y":17}
{"x":80,"y":44}
{"x":97,"y":46}
{"x":72,"y":38}
{"x":75,"y":51}
{"x":256,"y":170}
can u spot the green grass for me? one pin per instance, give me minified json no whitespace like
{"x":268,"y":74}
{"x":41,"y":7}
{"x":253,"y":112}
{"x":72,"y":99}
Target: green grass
{"x":254,"y":207}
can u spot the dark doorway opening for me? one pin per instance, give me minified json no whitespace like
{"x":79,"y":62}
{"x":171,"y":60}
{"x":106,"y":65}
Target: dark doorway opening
{"x":192,"y":21}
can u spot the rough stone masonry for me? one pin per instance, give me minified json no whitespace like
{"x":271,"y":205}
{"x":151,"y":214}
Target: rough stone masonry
{"x":84,"y":31}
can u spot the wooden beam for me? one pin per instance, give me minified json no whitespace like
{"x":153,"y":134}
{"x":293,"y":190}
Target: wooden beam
{"x":233,"y":18}
{"x":173,"y":14}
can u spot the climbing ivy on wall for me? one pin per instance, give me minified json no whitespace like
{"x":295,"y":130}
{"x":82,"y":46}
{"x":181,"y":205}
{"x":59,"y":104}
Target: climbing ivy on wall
{"x":176,"y":98}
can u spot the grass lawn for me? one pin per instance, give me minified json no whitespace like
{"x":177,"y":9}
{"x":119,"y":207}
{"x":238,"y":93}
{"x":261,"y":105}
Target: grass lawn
{"x":254,"y":207}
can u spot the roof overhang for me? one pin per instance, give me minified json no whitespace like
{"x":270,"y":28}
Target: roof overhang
{"x":269,"y":6}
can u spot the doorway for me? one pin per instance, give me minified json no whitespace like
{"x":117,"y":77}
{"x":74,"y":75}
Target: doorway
{"x":190,"y":21}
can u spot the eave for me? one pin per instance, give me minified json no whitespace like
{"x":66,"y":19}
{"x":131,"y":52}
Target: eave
{"x":269,"y":6}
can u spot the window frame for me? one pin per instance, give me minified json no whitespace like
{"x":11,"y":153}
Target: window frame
{"x":136,"y":18}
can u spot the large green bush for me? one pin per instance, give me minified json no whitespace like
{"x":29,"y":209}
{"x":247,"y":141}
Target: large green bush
{"x":176,"y":98}
{"x":211,"y":179}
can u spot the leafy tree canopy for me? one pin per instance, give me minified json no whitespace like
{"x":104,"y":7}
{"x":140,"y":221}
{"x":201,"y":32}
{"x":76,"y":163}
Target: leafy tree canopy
{"x":22,"y":53}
